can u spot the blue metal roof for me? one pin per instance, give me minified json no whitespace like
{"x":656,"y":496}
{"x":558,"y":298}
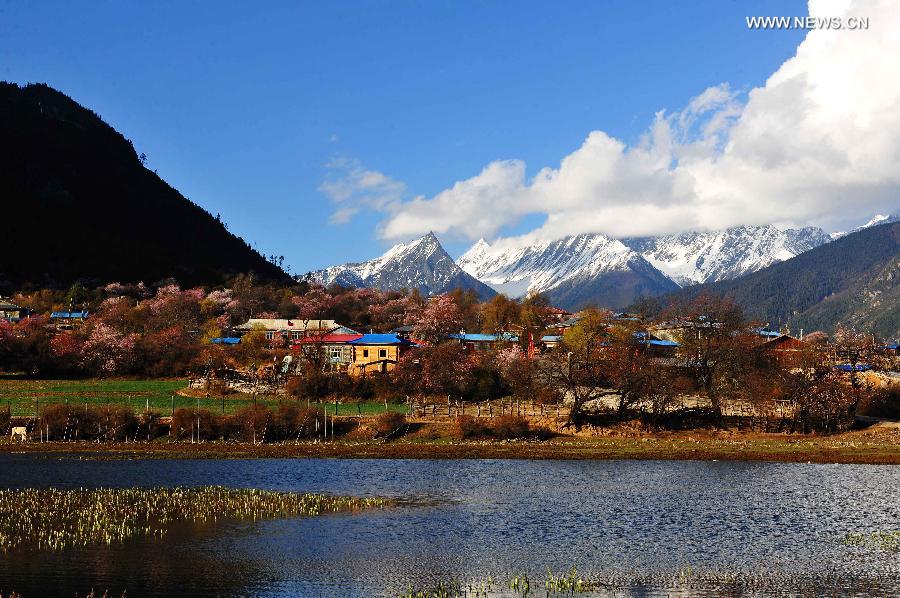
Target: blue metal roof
{"x":848,"y":367}
{"x":661,"y":343}
{"x":69,"y":315}
{"x":225,"y":340}
{"x":551,"y":338}
{"x":649,"y":340}
{"x":485,"y":338}
{"x":379,"y":339}
{"x":767,"y":332}
{"x":475,"y":338}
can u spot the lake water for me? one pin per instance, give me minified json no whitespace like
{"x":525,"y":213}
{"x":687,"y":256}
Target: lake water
{"x":779,"y":526}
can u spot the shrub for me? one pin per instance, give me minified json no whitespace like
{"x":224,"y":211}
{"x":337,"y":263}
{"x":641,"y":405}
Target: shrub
{"x":149,"y":426}
{"x":294,"y":386}
{"x":389,"y":424}
{"x":184,"y":424}
{"x":882,"y":402}
{"x":5,"y":417}
{"x":470,"y":427}
{"x":511,"y":426}
{"x":252,"y":424}
{"x":291,"y":421}
{"x":55,"y":420}
{"x":118,"y":423}
{"x":87,"y":422}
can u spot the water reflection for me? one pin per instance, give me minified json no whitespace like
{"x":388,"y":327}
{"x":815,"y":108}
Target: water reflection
{"x":472,"y":519}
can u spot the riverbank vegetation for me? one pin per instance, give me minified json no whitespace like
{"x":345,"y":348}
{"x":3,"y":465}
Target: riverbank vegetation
{"x":55,"y":519}
{"x":876,"y":445}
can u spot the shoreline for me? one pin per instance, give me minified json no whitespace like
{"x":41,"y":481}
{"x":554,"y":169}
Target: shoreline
{"x":875,"y":447}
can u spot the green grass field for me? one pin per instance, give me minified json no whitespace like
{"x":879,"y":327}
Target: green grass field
{"x":25,"y":397}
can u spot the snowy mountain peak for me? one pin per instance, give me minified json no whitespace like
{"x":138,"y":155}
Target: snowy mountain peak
{"x":875,"y":221}
{"x":878,"y":219}
{"x":420,"y":264}
{"x":693,"y":258}
{"x":573,"y":271}
{"x":651,"y":264}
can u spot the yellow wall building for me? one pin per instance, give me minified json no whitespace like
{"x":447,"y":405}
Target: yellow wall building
{"x":373,"y":353}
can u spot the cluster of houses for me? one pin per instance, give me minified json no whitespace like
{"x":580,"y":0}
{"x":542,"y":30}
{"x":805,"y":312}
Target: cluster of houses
{"x":10,"y":312}
{"x":342,"y":349}
{"x":59,"y":320}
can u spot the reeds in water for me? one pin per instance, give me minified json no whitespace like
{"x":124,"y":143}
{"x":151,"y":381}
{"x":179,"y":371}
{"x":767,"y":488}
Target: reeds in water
{"x":889,"y":541}
{"x":53,"y":519}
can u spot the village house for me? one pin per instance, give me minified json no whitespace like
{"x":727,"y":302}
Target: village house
{"x":9,"y":311}
{"x":376,"y":353}
{"x":558,"y":315}
{"x":788,"y":351}
{"x":484,"y":342}
{"x":653,"y":345}
{"x":404,"y":331}
{"x":550,"y":342}
{"x":291,"y":329}
{"x":68,"y":320}
{"x":333,"y":350}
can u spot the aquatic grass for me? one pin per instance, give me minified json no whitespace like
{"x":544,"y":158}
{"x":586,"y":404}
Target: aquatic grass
{"x":682,"y":581}
{"x":55,"y":519}
{"x":879,"y":540}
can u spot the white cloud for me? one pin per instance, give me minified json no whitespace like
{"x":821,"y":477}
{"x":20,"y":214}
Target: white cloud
{"x":352,"y":188}
{"x":818,"y":143}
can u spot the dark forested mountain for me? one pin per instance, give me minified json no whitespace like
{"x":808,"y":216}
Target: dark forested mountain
{"x":78,"y":204}
{"x":853,"y":281}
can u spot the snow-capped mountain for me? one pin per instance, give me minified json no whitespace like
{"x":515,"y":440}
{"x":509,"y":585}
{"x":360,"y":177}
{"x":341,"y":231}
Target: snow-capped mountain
{"x":573,"y":271}
{"x":694,"y":258}
{"x":875,"y":221}
{"x":421,"y":264}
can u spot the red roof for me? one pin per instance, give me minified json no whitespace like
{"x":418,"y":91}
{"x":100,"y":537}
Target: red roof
{"x":327,"y":338}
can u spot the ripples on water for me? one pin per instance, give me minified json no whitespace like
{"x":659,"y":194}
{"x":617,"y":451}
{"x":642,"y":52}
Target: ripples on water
{"x":636,"y":523}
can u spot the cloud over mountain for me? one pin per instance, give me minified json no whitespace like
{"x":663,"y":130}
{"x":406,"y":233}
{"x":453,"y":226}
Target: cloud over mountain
{"x":818,"y":143}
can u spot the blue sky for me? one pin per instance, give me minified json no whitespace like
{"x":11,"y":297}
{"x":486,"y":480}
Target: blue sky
{"x":243,"y":110}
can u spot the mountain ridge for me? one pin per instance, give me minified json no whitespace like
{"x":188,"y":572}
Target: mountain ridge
{"x":852,"y":281}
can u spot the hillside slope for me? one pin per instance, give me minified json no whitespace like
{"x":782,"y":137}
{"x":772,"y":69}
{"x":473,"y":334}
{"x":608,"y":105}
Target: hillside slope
{"x":854,"y":280}
{"x":79,"y":205}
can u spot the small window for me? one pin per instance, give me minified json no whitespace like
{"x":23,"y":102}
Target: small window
{"x":365,"y":352}
{"x":270,"y":336}
{"x":295,"y":335}
{"x":382,"y":353}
